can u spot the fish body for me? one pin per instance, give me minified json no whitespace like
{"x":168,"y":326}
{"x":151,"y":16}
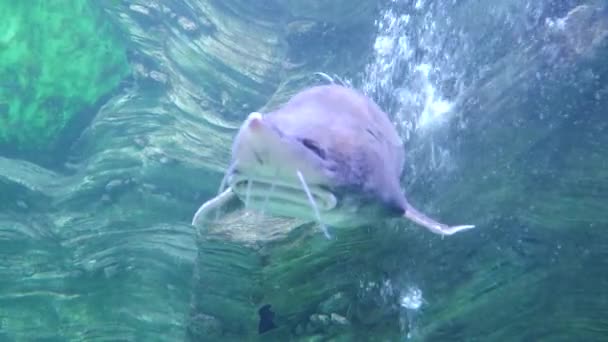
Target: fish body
{"x":329,"y":154}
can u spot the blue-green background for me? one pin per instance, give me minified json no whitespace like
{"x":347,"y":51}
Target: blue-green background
{"x":116,"y":119}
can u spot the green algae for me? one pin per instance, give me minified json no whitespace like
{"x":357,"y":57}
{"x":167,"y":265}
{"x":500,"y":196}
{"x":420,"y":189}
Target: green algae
{"x":57,"y":60}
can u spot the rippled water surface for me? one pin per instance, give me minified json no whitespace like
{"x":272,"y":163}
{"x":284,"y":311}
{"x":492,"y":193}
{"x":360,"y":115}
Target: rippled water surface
{"x":501,"y":105}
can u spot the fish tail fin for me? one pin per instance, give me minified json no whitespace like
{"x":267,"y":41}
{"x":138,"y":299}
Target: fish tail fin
{"x":418,"y":217}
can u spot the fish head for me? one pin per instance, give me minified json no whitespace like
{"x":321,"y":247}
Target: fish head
{"x":270,"y":166}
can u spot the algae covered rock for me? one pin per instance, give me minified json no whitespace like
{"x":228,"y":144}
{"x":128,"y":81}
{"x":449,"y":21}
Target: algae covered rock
{"x":57,"y":63}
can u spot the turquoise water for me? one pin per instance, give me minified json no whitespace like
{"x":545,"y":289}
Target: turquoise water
{"x":502,"y":109}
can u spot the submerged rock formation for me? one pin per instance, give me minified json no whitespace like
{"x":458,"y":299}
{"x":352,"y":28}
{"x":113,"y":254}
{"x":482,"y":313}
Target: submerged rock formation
{"x":102,"y":246}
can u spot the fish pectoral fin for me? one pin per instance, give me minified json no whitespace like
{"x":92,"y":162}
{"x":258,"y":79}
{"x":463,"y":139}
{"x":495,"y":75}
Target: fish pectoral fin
{"x":215,"y":203}
{"x":416,"y":216}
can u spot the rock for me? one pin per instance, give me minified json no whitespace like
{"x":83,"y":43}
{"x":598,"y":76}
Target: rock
{"x":149,"y":187}
{"x":139,"y":9}
{"x":207,"y":326}
{"x":110,"y":271}
{"x":21,"y":204}
{"x":371,"y":314}
{"x":300,"y":329}
{"x":336,"y":303}
{"x":206,"y":24}
{"x":187,"y":24}
{"x":140,"y":141}
{"x":106,"y":199}
{"x":300,"y":27}
{"x":159,"y":76}
{"x":113,"y":186}
{"x":139,"y":70}
{"x":153,"y":6}
{"x":339,"y":320}
{"x":583,"y":29}
{"x":166,"y":160}
{"x":319,"y":320}
{"x":342,"y":12}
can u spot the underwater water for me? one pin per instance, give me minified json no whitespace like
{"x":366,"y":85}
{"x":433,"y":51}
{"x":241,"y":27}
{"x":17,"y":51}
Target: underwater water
{"x":116,"y":121}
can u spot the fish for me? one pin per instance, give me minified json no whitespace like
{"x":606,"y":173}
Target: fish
{"x":329,"y":154}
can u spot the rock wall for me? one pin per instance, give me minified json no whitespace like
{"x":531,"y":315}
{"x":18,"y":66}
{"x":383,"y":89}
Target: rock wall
{"x":103,"y":249}
{"x":102,"y":245}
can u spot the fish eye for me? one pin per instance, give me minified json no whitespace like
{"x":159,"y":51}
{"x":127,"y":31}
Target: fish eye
{"x":314,"y":147}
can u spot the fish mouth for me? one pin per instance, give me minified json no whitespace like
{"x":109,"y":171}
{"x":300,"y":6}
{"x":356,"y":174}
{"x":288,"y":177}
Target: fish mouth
{"x":280,"y":196}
